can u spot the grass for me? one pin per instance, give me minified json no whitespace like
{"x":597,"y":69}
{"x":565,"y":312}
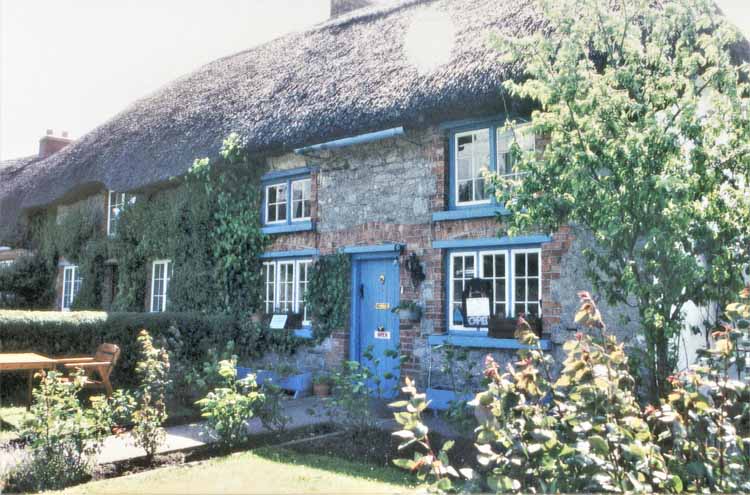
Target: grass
{"x":268,"y":470}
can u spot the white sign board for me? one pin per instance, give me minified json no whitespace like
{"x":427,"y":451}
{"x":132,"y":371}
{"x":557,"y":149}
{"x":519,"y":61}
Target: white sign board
{"x":382,"y":334}
{"x":478,"y":307}
{"x":278,"y":322}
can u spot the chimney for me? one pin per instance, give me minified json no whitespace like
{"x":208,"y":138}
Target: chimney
{"x":341,"y":7}
{"x":51,"y":144}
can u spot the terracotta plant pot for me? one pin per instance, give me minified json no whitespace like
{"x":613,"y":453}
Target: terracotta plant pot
{"x":321,"y":389}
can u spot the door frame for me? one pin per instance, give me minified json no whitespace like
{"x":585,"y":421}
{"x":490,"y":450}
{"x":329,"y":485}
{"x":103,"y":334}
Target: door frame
{"x":354,"y":332}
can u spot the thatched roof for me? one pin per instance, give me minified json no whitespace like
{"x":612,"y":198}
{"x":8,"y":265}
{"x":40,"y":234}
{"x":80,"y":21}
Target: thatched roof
{"x":13,"y":186}
{"x":347,"y":76}
{"x":344,"y":77}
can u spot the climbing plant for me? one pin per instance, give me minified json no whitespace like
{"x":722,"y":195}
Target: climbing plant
{"x":209,"y":226}
{"x":328,"y":294}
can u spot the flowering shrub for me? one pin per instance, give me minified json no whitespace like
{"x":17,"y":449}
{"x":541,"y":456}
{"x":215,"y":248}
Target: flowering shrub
{"x":585,"y":431}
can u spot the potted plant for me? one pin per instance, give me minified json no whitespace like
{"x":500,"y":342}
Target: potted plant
{"x":408,"y":311}
{"x":322,"y":385}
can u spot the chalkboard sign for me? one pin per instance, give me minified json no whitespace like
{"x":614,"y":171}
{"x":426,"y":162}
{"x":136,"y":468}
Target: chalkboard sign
{"x":476,"y":303}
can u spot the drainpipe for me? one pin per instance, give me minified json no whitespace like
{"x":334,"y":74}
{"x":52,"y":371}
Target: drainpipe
{"x":350,"y":141}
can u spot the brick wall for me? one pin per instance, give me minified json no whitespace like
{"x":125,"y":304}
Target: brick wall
{"x":387,"y":193}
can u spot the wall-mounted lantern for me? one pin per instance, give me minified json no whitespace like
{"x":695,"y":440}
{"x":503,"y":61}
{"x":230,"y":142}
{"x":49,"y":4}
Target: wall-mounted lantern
{"x":415,"y":269}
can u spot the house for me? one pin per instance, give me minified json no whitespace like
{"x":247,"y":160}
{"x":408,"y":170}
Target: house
{"x":374,"y":139}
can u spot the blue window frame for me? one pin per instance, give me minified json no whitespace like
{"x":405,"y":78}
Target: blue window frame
{"x":516,"y":275}
{"x":474,"y":149}
{"x":287,"y":201}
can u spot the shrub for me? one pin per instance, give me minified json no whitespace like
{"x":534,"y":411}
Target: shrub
{"x":151,"y":409}
{"x":705,"y":423}
{"x":229,"y":406}
{"x":28,"y":283}
{"x":350,"y":397}
{"x":63,"y":437}
{"x":186,"y":336}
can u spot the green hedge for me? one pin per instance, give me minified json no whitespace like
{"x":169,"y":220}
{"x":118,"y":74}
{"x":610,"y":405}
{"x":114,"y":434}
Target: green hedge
{"x":187,"y":336}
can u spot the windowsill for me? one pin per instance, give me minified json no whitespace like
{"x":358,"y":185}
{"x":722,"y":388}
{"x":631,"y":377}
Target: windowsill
{"x":285,"y":228}
{"x":468,"y":212}
{"x":481,"y":340}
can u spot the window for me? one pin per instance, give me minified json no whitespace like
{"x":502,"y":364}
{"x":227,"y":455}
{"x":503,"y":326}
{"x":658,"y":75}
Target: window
{"x":515,"y":275}
{"x":286,"y":286}
{"x":5,"y":264}
{"x":472,"y":160}
{"x":287,"y":202}
{"x":301,"y":190}
{"x":117,"y":201}
{"x":71,"y":286}
{"x":472,"y":155}
{"x":276,"y":203}
{"x":160,"y":276}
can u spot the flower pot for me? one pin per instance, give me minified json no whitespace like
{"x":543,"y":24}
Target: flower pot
{"x":321,"y":389}
{"x":300,"y":384}
{"x":409,"y":315}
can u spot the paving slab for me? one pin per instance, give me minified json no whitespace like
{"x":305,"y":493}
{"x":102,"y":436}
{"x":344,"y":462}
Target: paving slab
{"x":301,"y":412}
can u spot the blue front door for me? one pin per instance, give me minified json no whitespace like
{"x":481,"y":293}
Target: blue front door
{"x":376,"y":290}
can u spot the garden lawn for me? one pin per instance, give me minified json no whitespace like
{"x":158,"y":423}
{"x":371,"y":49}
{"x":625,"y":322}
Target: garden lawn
{"x":267,"y":470}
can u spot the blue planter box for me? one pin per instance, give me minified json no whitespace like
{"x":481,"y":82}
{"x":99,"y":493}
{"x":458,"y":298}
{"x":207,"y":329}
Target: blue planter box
{"x":300,"y":384}
{"x":440,"y":399}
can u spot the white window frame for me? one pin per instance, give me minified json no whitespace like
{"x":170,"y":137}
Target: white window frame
{"x":167,"y":278}
{"x":458,"y":135}
{"x":521,"y":134}
{"x":526,"y":277}
{"x":297,"y":294}
{"x":121,"y":199}
{"x":267,"y":203}
{"x":309,"y":200}
{"x":74,"y":287}
{"x":270,"y":298}
{"x":494,"y":252}
{"x":6,"y":263}
{"x":452,"y":295}
{"x":510,"y":281}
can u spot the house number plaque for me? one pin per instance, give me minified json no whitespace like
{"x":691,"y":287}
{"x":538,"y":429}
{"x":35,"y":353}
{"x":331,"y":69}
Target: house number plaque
{"x":382,"y":306}
{"x":382,"y":334}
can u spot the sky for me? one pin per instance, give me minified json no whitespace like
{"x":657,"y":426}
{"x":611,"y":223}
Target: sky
{"x":70,"y":65}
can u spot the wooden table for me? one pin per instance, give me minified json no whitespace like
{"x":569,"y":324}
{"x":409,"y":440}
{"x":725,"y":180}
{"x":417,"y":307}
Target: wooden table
{"x":26,"y":361}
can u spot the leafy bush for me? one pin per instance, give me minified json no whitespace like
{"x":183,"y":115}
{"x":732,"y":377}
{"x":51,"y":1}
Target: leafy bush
{"x":705,"y":424}
{"x":586,"y":432}
{"x":151,"y":409}
{"x":188,"y":337}
{"x":350,"y":397}
{"x":229,"y":406}
{"x":63,"y":437}
{"x":27,"y":284}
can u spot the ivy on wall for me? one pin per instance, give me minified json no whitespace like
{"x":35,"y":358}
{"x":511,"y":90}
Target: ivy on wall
{"x":329,"y":294}
{"x":209,"y":226}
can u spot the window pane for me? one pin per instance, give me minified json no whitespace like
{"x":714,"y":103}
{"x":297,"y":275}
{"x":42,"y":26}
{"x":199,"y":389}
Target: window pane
{"x":464,"y":169}
{"x":281,"y":213}
{"x":488,"y":266}
{"x":469,"y":267}
{"x":520,"y":294}
{"x":533,"y":289}
{"x":520,"y":264}
{"x":533,"y":264}
{"x":479,"y":191}
{"x":519,"y":309}
{"x":499,"y":265}
{"x":499,"y":290}
{"x":533,"y":308}
{"x":465,"y":191}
